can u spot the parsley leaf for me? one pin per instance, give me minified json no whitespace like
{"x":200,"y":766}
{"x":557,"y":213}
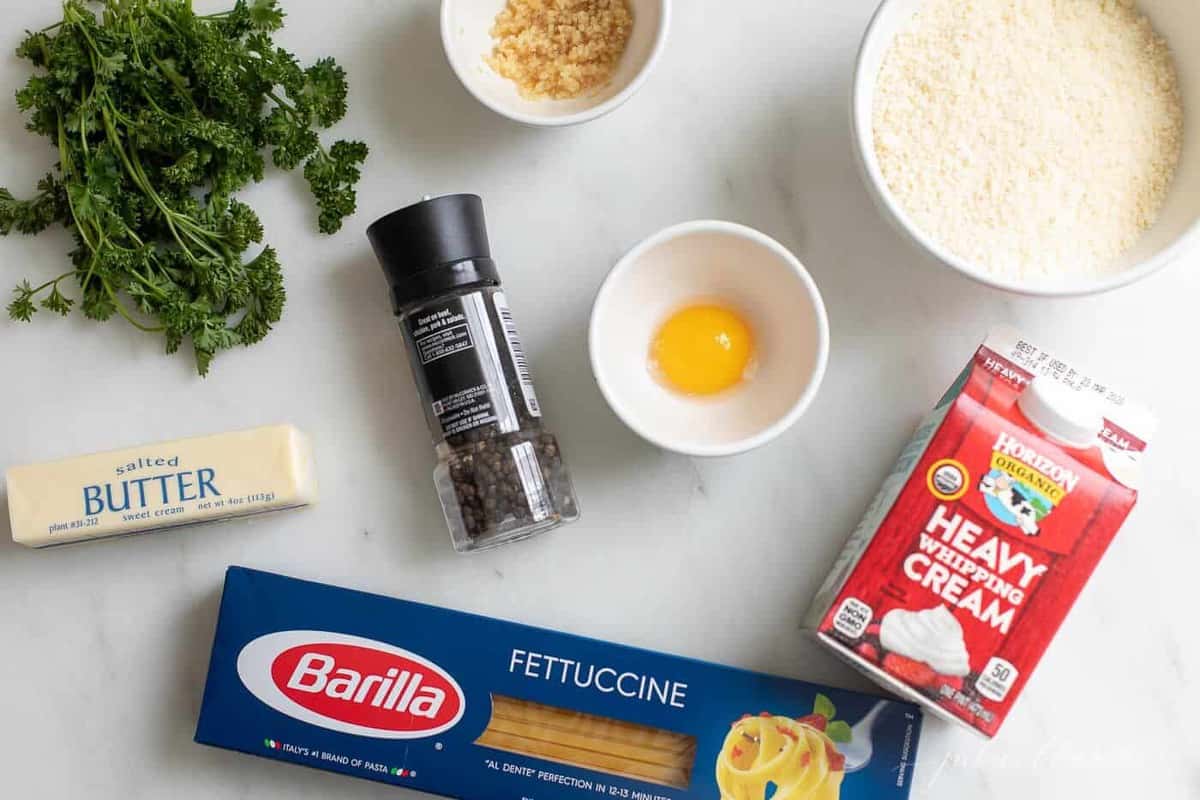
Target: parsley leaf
{"x":22,"y":307}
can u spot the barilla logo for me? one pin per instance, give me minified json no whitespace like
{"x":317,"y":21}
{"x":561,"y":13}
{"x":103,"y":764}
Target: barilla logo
{"x":351,"y":684}
{"x":1014,"y":448}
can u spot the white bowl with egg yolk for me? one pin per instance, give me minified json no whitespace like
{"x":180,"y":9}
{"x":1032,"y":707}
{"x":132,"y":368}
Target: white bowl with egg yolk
{"x":725,"y":264}
{"x":466,"y":36}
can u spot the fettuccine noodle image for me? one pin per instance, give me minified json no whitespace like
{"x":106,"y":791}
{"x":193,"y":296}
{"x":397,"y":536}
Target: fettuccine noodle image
{"x":590,"y":742}
{"x":800,"y":761}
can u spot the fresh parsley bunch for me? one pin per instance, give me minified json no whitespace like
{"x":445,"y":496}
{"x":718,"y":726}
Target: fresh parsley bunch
{"x":159,"y":116}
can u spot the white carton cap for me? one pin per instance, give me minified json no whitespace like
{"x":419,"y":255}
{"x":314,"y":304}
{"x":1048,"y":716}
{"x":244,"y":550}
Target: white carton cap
{"x":1061,"y":412}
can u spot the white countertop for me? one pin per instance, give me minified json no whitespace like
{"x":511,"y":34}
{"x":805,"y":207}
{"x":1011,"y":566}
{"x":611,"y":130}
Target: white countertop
{"x":103,"y":648}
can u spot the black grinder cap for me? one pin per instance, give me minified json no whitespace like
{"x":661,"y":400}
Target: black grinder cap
{"x":434,"y":247}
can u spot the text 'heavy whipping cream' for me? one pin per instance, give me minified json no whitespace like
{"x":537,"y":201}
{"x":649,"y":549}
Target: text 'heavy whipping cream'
{"x":992,"y":521}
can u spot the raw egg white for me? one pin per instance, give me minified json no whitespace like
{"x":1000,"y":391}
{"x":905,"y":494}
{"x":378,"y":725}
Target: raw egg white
{"x":703,"y":350}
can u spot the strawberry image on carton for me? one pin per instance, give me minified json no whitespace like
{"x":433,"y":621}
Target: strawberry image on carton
{"x":987,"y":529}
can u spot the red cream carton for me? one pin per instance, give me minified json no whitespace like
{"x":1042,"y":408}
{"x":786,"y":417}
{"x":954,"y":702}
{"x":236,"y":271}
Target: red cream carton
{"x":992,"y":521}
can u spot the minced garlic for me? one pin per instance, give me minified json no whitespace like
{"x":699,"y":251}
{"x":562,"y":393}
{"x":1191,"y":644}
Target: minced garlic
{"x":560,"y":48}
{"x":1036,"y":139}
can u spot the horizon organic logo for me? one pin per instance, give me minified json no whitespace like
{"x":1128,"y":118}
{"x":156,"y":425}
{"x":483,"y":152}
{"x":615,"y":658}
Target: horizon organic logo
{"x":351,"y":684}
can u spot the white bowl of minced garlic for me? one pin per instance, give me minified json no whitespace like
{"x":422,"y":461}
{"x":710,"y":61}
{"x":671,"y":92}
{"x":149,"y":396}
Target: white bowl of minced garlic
{"x":1038,"y":147}
{"x":550,"y":63}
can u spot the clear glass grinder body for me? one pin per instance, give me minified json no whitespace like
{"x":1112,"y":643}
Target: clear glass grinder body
{"x":500,"y":475}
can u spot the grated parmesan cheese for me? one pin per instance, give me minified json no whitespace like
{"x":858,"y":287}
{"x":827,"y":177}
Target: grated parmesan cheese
{"x":1035,"y":138}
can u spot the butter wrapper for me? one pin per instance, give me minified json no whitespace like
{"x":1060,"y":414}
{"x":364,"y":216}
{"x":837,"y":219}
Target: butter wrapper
{"x":160,"y":486}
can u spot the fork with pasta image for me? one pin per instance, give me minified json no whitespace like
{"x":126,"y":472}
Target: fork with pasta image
{"x":796,"y":758}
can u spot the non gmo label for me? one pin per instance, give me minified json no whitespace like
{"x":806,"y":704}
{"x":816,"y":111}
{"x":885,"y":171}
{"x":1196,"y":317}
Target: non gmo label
{"x":852,"y":618}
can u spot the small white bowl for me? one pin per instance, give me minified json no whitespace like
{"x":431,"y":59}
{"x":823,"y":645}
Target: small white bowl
{"x":466,"y":35}
{"x":1178,"y":227}
{"x":698,"y":262}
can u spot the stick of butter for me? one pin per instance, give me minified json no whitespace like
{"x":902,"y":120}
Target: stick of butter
{"x":160,"y":486}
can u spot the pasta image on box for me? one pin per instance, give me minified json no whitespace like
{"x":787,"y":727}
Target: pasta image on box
{"x":481,"y":709}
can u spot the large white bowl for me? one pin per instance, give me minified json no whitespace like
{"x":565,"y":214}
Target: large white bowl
{"x":466,"y":35}
{"x":737,"y":266}
{"x":1177,"y":229}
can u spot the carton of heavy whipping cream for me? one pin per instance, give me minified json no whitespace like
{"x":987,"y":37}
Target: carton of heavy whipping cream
{"x":990,"y":524}
{"x":157,"y":486}
{"x":480,"y":709}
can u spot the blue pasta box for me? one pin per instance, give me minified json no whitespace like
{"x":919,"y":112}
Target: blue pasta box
{"x":481,"y":709}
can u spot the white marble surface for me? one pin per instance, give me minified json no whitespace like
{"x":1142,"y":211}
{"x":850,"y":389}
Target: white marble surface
{"x":103,"y":648}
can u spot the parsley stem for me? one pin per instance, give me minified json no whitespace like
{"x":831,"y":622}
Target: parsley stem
{"x":68,"y":168}
{"x":91,"y":270}
{"x":151,"y":286}
{"x":93,"y":48}
{"x":173,"y":78}
{"x":121,"y":310}
{"x":139,"y":178}
{"x":291,"y":110}
{"x":288,"y":107}
{"x":49,"y":283}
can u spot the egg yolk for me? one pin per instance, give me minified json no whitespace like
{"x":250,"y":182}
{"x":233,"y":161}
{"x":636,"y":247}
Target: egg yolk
{"x":702,"y":350}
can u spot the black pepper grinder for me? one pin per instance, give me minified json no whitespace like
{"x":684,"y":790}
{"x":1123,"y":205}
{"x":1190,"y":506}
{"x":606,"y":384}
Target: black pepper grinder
{"x":500,"y":474}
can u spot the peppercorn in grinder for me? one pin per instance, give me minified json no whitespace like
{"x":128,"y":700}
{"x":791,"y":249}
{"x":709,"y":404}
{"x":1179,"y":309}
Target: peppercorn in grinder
{"x":500,"y":475}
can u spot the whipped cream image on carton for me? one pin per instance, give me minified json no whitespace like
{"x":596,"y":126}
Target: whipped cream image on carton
{"x":975,"y":549}
{"x":932,"y":636}
{"x":480,"y":709}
